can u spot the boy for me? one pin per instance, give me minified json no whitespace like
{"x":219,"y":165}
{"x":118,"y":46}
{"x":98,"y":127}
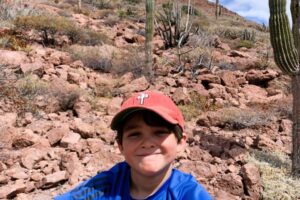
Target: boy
{"x":149,"y":134}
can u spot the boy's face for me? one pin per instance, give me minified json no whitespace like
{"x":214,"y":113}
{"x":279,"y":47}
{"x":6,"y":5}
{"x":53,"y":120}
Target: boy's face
{"x":147,"y":149}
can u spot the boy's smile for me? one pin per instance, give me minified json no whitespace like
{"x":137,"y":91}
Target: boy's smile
{"x":147,"y":149}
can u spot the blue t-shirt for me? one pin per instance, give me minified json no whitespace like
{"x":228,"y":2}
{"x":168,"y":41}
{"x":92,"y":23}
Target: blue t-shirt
{"x":114,"y":184}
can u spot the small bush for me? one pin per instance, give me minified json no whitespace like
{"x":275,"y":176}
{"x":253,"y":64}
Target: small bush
{"x":102,"y":4}
{"x":198,"y":105}
{"x":263,"y":62}
{"x":48,"y":26}
{"x":192,"y":10}
{"x":126,"y":12}
{"x":201,"y":39}
{"x":13,"y":40}
{"x":201,"y":22}
{"x":97,"y":57}
{"x":248,"y":35}
{"x":132,"y":1}
{"x":236,"y":119}
{"x":111,"y":20}
{"x":31,"y":86}
{"x":134,"y":62}
{"x":245,"y":43}
{"x":66,"y":99}
{"x":23,"y":93}
{"x":92,"y":38}
{"x":228,"y":33}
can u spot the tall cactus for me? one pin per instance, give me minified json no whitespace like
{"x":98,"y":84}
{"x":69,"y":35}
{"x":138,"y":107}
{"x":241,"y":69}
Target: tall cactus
{"x":79,"y":5}
{"x":286,"y":49}
{"x":218,"y":9}
{"x":149,"y":36}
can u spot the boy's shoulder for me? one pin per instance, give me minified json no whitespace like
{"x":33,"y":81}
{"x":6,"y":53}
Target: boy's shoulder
{"x":99,"y":185}
{"x":185,"y":186}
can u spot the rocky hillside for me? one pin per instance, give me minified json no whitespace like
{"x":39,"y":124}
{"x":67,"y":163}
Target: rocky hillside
{"x":59,"y":89}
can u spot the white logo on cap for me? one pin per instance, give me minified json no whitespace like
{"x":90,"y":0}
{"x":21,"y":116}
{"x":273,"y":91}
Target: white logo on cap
{"x":142,"y":97}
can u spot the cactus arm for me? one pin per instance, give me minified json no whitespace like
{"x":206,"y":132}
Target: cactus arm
{"x":285,"y":53}
{"x":296,"y":23}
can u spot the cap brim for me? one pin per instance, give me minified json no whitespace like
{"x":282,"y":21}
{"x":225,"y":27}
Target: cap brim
{"x":121,"y":116}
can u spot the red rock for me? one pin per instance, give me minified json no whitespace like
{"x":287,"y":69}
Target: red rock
{"x":70,"y":139}
{"x":251,"y":176}
{"x":82,"y":108}
{"x":11,"y":190}
{"x":52,"y":180}
{"x":57,"y":133}
{"x":114,"y":105}
{"x":31,"y":156}
{"x":86,"y":130}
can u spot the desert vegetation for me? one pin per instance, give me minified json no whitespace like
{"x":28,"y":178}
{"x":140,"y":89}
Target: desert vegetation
{"x":65,"y":68}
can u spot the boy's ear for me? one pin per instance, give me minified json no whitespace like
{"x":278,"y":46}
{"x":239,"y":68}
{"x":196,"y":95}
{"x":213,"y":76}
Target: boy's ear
{"x":182,"y":143}
{"x":120,"y":147}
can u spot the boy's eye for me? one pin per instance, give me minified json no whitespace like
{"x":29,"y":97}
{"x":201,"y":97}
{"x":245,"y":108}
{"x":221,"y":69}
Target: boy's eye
{"x":133,"y":135}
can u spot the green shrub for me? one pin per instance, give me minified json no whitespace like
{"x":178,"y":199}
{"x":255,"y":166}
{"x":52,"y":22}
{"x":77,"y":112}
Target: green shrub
{"x":132,"y":1}
{"x":228,"y":33}
{"x":245,"y":43}
{"x":192,"y":10}
{"x":248,"y":35}
{"x":102,"y":4}
{"x":48,"y":26}
{"x":126,"y":12}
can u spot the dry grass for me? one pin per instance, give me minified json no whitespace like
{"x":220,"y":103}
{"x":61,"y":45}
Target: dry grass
{"x":12,"y":10}
{"x":95,"y":57}
{"x":275,"y":175}
{"x":235,"y":119}
{"x":198,"y":105}
{"x":31,"y":86}
{"x":25,"y":92}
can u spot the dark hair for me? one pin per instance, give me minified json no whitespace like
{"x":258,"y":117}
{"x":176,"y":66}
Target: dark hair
{"x":151,"y":119}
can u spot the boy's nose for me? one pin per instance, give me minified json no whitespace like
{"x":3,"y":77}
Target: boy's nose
{"x":147,"y":143}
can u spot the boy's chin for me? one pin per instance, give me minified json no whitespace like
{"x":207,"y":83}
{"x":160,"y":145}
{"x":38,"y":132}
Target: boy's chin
{"x":152,"y":169}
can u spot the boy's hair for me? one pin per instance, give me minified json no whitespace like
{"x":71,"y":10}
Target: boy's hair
{"x":151,"y":119}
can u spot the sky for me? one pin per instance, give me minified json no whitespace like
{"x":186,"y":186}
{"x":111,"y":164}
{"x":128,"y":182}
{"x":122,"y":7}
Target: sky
{"x":255,"y":10}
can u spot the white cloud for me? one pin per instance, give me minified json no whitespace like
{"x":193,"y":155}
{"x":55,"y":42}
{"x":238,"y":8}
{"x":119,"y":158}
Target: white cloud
{"x":256,"y":10}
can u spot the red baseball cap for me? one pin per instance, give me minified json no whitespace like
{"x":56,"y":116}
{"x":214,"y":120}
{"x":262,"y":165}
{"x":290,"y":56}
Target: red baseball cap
{"x":149,"y":100}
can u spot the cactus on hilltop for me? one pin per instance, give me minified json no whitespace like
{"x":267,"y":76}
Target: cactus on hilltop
{"x":149,"y":36}
{"x":286,"y":49}
{"x":218,"y":9}
{"x":79,"y":5}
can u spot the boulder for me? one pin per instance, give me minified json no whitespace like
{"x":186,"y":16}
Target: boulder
{"x":52,"y":180}
{"x":251,"y":179}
